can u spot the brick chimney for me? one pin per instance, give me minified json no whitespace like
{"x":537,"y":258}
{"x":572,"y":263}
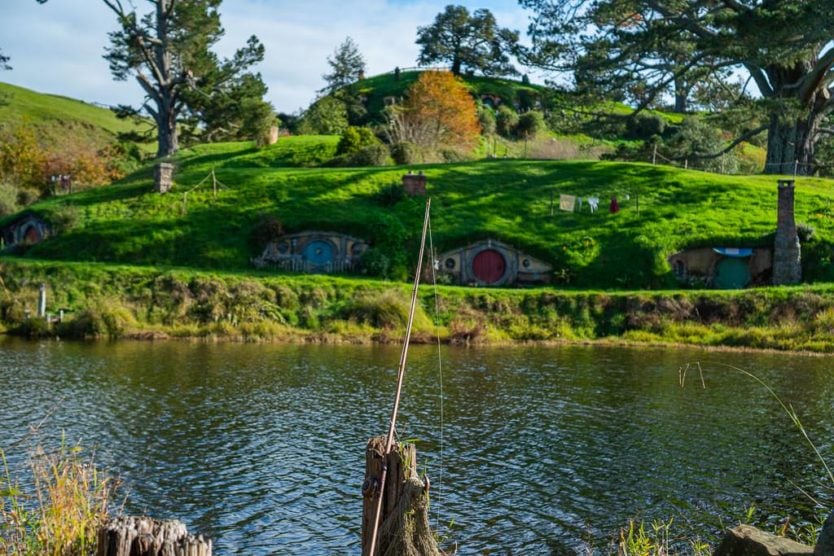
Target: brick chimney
{"x":414,"y":184}
{"x":786,"y":251}
{"x":163,"y":177}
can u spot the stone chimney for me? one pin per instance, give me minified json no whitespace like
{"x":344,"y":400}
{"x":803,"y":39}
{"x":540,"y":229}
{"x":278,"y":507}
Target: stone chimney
{"x":163,"y":177}
{"x":414,"y":184}
{"x":786,"y":251}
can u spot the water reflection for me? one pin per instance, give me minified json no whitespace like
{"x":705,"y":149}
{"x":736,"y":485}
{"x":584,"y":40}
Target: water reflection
{"x":544,"y":449}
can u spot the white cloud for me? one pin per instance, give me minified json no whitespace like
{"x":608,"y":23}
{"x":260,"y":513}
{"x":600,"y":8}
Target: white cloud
{"x":58,"y":47}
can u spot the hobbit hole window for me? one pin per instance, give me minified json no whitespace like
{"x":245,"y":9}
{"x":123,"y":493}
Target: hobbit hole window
{"x":680,"y":269}
{"x":525,"y":263}
{"x":450,"y":263}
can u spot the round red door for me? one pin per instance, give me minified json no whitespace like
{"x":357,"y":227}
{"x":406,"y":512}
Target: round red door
{"x":489,"y":266}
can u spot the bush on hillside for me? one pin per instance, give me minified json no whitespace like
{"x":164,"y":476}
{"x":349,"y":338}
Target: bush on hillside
{"x":406,"y":153}
{"x":355,"y":138}
{"x":64,"y":218}
{"x":486,"y":118}
{"x":645,"y":126}
{"x":529,"y":124}
{"x":505,"y":121}
{"x":372,"y":155}
{"x":8,"y":199}
{"x":527,"y":100}
{"x":326,"y":116}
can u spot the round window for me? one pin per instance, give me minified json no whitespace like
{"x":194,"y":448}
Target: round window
{"x":525,"y":263}
{"x":450,"y":263}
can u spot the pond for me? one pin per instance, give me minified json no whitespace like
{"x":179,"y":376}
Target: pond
{"x":538,"y":450}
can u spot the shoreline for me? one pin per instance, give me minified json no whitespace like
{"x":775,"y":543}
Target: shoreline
{"x":115,"y":302}
{"x":331,"y":340}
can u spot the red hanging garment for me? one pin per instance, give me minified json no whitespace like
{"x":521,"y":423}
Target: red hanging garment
{"x":615,"y":206}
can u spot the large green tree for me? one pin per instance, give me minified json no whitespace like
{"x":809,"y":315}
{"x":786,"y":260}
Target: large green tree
{"x":784,"y":46}
{"x":167,"y":51}
{"x":347,"y":65}
{"x":467,"y":41}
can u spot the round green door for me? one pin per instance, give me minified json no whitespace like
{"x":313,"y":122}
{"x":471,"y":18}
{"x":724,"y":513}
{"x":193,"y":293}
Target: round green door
{"x":732,"y":273}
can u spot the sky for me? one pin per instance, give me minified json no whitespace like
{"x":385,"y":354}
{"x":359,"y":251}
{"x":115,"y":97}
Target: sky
{"x":57,"y":47}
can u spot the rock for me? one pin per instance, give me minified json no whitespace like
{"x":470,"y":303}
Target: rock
{"x":746,"y":540}
{"x":825,"y":542}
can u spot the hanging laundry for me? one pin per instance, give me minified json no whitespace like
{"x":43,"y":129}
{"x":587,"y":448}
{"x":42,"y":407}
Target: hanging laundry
{"x":567,"y":202}
{"x":579,"y":204}
{"x":593,"y":202}
{"x":615,"y":206}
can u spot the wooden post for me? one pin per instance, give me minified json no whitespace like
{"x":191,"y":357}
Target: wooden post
{"x":404,"y":524}
{"x":144,"y":536}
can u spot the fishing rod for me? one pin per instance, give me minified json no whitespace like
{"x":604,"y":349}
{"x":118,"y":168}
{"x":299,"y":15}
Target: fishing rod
{"x":389,"y":443}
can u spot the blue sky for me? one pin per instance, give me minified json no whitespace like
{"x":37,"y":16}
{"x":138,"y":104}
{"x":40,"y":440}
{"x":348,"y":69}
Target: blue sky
{"x":57,"y":47}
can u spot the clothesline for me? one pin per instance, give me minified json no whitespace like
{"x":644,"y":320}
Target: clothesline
{"x":574,"y":203}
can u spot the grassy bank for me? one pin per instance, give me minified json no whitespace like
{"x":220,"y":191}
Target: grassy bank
{"x":508,"y":200}
{"x":111,"y":301}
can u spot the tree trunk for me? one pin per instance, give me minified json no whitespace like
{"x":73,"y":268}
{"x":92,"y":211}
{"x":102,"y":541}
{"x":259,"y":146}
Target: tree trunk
{"x":791,"y":145}
{"x":681,"y":95}
{"x":456,"y":63}
{"x":143,"y":536}
{"x":166,"y":121}
{"x":404,"y":528}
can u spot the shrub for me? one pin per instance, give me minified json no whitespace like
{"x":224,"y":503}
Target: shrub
{"x":372,"y":155}
{"x":486,"y":119}
{"x":355,"y":139}
{"x":8,"y":199}
{"x":64,"y":218}
{"x":34,"y":328}
{"x":374,"y":263}
{"x":505,"y":121}
{"x":645,"y":126}
{"x":406,"y":153}
{"x":529,"y":124}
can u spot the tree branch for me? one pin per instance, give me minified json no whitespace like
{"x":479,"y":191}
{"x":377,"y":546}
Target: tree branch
{"x":728,"y":148}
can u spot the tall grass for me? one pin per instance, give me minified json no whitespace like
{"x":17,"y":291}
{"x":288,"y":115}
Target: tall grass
{"x":58,"y":509}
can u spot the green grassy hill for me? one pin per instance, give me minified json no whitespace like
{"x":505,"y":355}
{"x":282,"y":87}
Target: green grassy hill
{"x":57,"y":117}
{"x":509,"y":200}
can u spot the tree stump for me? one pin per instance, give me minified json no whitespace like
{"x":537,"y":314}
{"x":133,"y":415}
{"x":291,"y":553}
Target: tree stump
{"x":404,"y":528}
{"x":144,"y":536}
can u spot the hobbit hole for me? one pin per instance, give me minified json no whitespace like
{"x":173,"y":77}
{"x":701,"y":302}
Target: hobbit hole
{"x":312,"y":252}
{"x":492,"y":263}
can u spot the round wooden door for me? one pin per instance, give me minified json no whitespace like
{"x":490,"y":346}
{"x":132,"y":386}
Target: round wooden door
{"x":732,"y":274}
{"x":32,"y":236}
{"x":318,"y":253}
{"x":489,"y":266}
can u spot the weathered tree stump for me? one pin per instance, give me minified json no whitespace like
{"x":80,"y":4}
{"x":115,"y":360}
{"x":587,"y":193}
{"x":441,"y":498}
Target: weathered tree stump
{"x":144,"y":536}
{"x":404,"y":528}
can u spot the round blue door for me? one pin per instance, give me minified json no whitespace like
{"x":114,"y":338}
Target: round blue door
{"x":318,"y":253}
{"x":732,"y":274}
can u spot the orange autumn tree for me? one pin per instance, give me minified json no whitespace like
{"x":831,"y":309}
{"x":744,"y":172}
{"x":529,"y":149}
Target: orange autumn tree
{"x":438,"y":112}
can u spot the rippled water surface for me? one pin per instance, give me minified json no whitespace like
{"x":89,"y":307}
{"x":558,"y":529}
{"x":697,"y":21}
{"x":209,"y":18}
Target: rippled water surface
{"x":544,"y":450}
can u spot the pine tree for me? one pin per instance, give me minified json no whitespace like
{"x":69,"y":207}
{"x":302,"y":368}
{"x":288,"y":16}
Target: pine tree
{"x":347,"y":66}
{"x":467,"y":41}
